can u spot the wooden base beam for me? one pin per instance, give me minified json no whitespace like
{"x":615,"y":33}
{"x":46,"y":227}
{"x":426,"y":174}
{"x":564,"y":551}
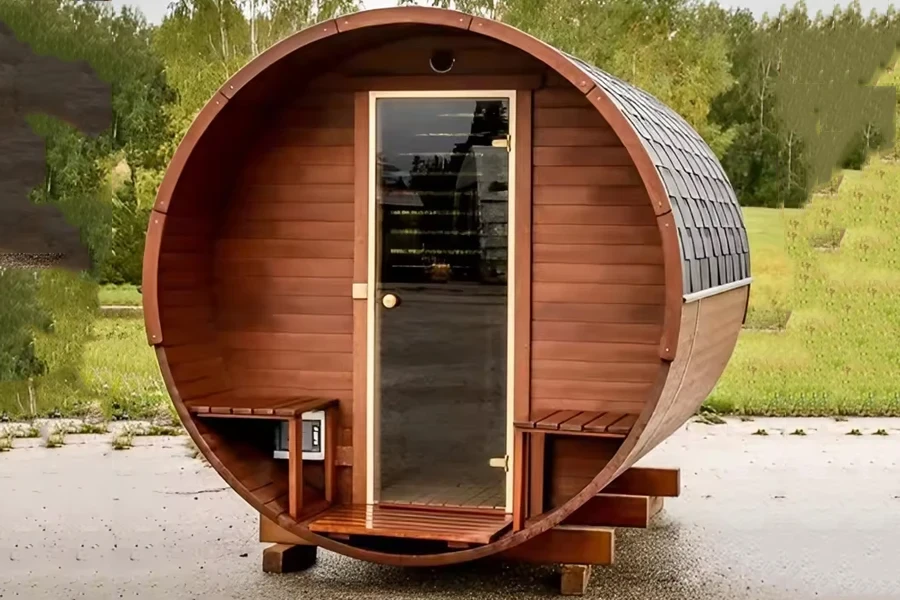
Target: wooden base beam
{"x":284,"y":558}
{"x":574,"y":579}
{"x":639,"y":481}
{"x":567,"y":544}
{"x":616,"y":510}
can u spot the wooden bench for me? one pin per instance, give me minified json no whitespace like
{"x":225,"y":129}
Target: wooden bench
{"x":579,"y":422}
{"x":282,"y":409}
{"x":529,"y":442}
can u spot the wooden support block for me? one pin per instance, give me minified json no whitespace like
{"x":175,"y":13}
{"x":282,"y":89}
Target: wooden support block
{"x":285,"y":558}
{"x":568,"y":544}
{"x":613,"y":510}
{"x":640,"y":481}
{"x":272,"y":533}
{"x":574,"y":579}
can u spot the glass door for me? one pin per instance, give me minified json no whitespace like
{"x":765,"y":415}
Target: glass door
{"x":440,"y":299}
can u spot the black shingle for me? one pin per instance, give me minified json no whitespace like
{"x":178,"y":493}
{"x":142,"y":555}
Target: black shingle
{"x":710,"y":226}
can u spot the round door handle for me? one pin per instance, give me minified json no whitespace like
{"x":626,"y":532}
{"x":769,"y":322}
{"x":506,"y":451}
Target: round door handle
{"x":390,"y":301}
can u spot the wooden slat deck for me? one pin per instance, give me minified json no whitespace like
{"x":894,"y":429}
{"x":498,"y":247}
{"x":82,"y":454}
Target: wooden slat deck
{"x":275,"y":408}
{"x":603,"y":424}
{"x":459,"y":527}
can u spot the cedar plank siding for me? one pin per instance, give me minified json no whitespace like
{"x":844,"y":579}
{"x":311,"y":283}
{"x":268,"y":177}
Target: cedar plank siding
{"x":597,"y":281}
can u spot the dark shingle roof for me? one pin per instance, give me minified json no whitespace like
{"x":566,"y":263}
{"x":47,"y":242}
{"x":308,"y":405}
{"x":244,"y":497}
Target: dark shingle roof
{"x":714,"y":248}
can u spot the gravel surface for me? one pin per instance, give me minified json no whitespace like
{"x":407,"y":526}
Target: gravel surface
{"x":777,"y":516}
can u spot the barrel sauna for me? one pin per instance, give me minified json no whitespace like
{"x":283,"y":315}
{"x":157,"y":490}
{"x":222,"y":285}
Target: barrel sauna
{"x":461,"y":280}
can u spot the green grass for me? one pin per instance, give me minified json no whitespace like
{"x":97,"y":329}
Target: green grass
{"x":121,"y":371}
{"x":838,"y":352}
{"x":771,"y":268}
{"x":119,"y":295}
{"x":118,"y":378}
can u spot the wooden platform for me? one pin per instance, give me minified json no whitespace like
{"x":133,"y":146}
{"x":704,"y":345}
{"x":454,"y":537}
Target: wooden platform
{"x":275,"y":408}
{"x":458,"y":527}
{"x":605,"y":424}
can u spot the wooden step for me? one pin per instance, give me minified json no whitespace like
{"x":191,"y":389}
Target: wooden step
{"x":449,"y":526}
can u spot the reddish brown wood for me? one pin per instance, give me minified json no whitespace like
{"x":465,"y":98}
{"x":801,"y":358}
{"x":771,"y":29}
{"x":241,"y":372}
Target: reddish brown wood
{"x":602,"y":422}
{"x":558,"y":98}
{"x":520,"y":479}
{"x":409,"y":14}
{"x":575,"y":136}
{"x":578,"y":422}
{"x":537,"y":473}
{"x":295,"y":467}
{"x":594,"y":156}
{"x":522,"y":258}
{"x":643,"y":481}
{"x":626,"y":274}
{"x":561,"y":214}
{"x":613,"y":510}
{"x":574,"y":579}
{"x":271,"y":533}
{"x":582,"y":176}
{"x":431,"y":82}
{"x":330,"y":454}
{"x":150,"y":284}
{"x":285,"y":558}
{"x":583,"y":116}
{"x":590,"y":195}
{"x":623,"y":425}
{"x":598,"y":313}
{"x":261,"y":407}
{"x":556,"y":419}
{"x":569,"y":544}
{"x":474,"y":528}
{"x":532,"y":420}
{"x":360,"y":276}
{"x":613,"y":353}
{"x":596,"y":234}
{"x":205,"y":215}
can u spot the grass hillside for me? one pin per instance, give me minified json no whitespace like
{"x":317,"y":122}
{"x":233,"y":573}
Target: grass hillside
{"x":824,"y":322}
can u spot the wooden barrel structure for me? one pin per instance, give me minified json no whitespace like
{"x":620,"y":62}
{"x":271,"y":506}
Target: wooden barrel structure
{"x":461,"y":280}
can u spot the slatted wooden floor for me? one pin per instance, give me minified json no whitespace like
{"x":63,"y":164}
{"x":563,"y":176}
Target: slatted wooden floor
{"x":467,"y":528}
{"x":472,"y":495}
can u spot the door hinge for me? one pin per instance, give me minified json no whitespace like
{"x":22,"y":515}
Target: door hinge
{"x":501,"y":463}
{"x":504,"y":142}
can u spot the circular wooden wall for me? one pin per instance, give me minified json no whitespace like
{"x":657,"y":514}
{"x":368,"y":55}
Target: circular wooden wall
{"x":188,"y":276}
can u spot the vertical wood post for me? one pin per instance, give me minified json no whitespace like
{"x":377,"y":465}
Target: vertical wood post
{"x":536,"y":478}
{"x":360,"y":305}
{"x":331,"y":416}
{"x":520,"y":475}
{"x":295,"y":466}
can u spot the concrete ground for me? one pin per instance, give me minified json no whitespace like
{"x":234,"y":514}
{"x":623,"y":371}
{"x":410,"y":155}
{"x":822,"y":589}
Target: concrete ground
{"x":760,"y":517}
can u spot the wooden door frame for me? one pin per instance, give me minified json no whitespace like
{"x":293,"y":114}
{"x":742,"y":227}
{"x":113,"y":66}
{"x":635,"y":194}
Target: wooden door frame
{"x":514,"y":303}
